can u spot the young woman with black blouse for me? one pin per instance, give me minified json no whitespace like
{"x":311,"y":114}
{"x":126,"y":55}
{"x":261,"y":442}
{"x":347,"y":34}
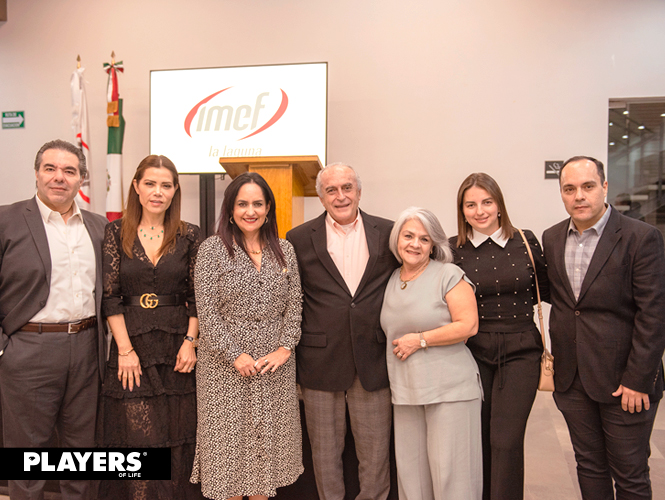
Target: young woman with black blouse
{"x":508,"y":346}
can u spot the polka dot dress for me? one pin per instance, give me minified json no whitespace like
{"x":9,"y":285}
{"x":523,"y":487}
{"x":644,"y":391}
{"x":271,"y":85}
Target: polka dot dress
{"x":248,"y":435}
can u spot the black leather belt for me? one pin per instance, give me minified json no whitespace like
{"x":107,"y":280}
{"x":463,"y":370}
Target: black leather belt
{"x":151,"y":300}
{"x":76,"y":327}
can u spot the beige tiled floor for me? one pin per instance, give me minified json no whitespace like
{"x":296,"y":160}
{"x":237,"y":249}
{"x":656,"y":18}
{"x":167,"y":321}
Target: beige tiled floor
{"x":550,"y":463}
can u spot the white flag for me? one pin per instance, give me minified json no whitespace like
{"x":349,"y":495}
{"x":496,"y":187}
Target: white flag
{"x":81,"y":132}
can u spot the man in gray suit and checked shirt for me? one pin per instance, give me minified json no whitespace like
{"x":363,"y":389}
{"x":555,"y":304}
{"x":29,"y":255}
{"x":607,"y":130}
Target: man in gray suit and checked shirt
{"x":344,"y":264}
{"x":52,"y":337}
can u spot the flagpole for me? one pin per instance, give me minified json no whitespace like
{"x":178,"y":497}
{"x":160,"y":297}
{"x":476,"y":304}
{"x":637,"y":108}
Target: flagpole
{"x":116,"y":125}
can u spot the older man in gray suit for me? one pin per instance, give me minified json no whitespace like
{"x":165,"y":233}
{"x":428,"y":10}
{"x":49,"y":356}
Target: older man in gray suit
{"x":52,"y":337}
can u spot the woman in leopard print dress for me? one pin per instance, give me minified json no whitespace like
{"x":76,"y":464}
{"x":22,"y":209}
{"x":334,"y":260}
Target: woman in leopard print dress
{"x":249,"y":304}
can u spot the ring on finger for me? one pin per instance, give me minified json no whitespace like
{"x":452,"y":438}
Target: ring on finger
{"x":265,"y":361}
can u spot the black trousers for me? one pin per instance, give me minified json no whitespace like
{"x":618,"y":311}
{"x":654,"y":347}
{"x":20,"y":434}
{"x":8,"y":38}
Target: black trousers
{"x":49,"y":383}
{"x":509,"y":365}
{"x":609,"y":443}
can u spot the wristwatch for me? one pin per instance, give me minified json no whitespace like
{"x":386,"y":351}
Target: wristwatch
{"x":191,"y":339}
{"x":423,"y":342}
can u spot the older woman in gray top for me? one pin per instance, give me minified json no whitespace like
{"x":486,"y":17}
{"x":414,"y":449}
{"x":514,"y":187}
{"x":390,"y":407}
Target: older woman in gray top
{"x":429,"y":310}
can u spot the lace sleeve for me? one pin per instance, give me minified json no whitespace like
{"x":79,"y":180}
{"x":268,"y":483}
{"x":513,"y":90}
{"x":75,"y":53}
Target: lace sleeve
{"x":112,"y":302}
{"x":210,"y":298}
{"x":293,"y":313}
{"x":194,"y":239}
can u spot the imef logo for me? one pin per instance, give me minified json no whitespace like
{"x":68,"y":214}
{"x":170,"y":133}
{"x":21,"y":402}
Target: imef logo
{"x":237,"y":112}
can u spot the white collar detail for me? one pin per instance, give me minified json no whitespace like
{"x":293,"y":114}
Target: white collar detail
{"x":497,"y":237}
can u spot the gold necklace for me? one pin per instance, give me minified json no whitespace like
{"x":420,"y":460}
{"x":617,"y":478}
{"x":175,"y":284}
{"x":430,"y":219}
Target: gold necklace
{"x":417,"y":273}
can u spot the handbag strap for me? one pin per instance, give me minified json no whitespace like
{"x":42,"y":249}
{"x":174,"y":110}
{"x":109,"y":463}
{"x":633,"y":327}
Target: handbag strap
{"x":535,"y":275}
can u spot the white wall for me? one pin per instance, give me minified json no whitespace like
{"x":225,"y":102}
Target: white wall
{"x":420,"y":94}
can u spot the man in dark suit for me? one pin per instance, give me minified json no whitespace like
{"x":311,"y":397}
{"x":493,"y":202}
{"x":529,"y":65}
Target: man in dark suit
{"x":607,"y":283}
{"x":344,"y":264}
{"x":52,"y":336}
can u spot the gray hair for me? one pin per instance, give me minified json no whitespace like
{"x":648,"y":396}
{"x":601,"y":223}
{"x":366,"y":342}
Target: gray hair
{"x":319,"y":187}
{"x":440,"y":246}
{"x":63,"y":146}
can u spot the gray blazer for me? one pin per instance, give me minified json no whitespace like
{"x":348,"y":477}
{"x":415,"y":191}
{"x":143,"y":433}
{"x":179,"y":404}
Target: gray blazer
{"x":25,"y":268}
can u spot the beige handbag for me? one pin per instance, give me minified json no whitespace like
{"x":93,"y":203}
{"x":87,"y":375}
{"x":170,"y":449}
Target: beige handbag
{"x":546,"y":382}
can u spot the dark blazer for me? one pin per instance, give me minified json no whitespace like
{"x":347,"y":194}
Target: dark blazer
{"x":615,"y":333}
{"x":341,"y":334}
{"x":25,"y":268}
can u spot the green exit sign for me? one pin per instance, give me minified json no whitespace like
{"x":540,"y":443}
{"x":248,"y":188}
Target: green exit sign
{"x":13,"y":119}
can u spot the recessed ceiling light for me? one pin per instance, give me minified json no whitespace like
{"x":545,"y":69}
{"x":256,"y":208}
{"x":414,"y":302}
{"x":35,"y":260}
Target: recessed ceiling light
{"x":611,"y":124}
{"x":624,"y":137}
{"x":625,"y":112}
{"x":641,"y":127}
{"x":611,"y":143}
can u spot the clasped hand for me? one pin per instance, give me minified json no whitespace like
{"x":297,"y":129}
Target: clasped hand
{"x":248,"y":366}
{"x":406,"y":345}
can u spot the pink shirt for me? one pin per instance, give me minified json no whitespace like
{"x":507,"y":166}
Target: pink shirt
{"x":347,"y":245}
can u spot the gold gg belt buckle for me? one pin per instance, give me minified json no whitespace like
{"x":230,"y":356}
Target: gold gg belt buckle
{"x":149,"y":301}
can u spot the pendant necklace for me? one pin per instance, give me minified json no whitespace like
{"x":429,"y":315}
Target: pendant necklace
{"x":417,"y":273}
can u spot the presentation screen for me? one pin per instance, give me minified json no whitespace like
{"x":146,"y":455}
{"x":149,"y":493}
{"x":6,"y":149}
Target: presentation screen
{"x":198,"y":116}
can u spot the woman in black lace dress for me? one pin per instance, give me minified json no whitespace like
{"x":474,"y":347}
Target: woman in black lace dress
{"x":148,"y":398}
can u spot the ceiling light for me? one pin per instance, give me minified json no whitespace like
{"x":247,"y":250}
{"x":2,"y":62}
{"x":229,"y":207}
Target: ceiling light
{"x":641,"y":127}
{"x":612,"y":143}
{"x":624,"y":137}
{"x":625,"y":112}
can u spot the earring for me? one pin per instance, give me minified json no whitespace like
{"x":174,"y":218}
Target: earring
{"x":498,"y":214}
{"x":265,"y":221}
{"x":231,"y":219}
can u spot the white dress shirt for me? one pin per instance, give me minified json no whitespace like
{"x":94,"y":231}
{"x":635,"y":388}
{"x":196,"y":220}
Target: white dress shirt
{"x":73,"y":268}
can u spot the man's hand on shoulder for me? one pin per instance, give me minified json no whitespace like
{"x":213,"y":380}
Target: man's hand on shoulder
{"x":631,"y":400}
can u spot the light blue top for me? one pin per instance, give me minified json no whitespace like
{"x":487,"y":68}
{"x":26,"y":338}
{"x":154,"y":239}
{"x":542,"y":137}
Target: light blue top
{"x":437,"y":374}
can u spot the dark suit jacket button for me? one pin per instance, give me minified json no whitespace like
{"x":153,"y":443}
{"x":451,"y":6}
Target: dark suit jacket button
{"x":577,"y":313}
{"x":353,"y":305}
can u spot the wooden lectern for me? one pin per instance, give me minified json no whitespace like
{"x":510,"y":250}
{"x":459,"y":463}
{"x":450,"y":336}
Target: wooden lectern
{"x":291,"y":178}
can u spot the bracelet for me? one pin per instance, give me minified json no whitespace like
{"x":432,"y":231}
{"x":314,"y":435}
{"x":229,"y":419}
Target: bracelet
{"x":195,"y":342}
{"x":125,"y":353}
{"x":287,"y":348}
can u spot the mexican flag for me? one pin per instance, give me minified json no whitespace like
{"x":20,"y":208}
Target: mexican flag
{"x":116,"y":125}
{"x":81,"y":131}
